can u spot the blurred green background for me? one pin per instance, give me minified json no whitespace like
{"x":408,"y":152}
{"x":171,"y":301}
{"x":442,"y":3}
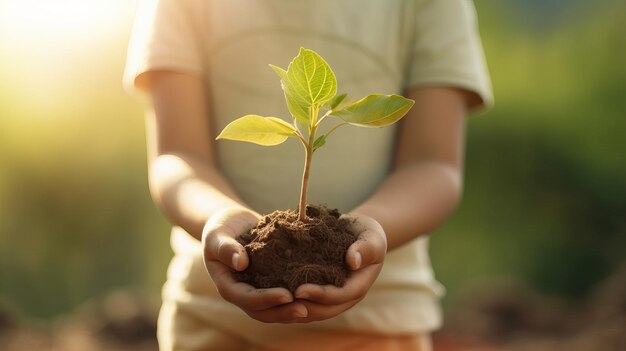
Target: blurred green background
{"x":545,"y":197}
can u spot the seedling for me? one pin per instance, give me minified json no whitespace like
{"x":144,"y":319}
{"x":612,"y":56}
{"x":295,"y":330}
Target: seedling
{"x":310,"y":89}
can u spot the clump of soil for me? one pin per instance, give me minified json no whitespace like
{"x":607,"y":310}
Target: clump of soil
{"x":285,"y":252}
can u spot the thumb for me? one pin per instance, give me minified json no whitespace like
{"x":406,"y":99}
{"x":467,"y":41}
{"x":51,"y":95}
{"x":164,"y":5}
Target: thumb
{"x":222,"y":246}
{"x":370,"y":248}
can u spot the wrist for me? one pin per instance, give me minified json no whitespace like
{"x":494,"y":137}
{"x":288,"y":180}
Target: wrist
{"x":371,"y":211}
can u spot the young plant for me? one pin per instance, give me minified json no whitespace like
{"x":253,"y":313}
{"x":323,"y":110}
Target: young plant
{"x":310,"y":89}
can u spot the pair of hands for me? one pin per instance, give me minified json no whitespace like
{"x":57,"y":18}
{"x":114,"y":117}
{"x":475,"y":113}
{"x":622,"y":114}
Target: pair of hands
{"x":223,"y":254}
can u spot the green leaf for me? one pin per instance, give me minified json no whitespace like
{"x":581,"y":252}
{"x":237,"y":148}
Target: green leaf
{"x":297,"y":107}
{"x":311,"y":77}
{"x":335,"y":102}
{"x":375,"y":110}
{"x":281,"y":72}
{"x":309,"y":81}
{"x":319,"y":142}
{"x":266,"y":131}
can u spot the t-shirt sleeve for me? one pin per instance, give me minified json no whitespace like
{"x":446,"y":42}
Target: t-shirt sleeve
{"x":165,"y":37}
{"x":447,"y":49}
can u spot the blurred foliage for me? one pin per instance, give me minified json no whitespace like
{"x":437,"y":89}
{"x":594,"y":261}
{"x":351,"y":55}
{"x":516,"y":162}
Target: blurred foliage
{"x":545,"y":192}
{"x":76,"y":218}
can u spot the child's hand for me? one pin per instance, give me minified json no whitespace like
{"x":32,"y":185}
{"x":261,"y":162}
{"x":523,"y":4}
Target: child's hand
{"x":222,"y":253}
{"x":365,"y":258}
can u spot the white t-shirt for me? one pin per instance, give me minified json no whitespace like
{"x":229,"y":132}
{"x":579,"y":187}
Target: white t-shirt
{"x":373,"y":46}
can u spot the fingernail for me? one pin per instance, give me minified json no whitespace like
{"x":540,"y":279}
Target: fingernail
{"x":357,"y":260}
{"x":300,"y":311}
{"x":236,"y":260}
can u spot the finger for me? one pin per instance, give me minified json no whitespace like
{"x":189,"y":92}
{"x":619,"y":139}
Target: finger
{"x":244,"y":295}
{"x":288,"y":313}
{"x":368,"y":249}
{"x":355,"y":288}
{"x":320,"y":312}
{"x":218,"y":236}
{"x":221,"y":246}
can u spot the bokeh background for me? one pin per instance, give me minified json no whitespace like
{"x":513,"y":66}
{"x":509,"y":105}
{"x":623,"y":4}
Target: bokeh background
{"x":541,"y":232}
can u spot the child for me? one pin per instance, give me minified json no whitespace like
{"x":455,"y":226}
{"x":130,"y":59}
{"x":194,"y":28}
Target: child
{"x":205,"y":63}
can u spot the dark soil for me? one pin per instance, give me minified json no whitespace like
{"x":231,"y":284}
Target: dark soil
{"x":285,"y":252}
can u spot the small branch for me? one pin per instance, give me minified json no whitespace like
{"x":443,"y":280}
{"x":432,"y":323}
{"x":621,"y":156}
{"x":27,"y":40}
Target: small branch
{"x":302,"y":140}
{"x":335,"y":128}
{"x":323,"y":117}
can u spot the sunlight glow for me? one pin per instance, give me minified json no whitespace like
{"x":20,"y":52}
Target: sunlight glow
{"x":57,"y":22}
{"x":57,"y":53}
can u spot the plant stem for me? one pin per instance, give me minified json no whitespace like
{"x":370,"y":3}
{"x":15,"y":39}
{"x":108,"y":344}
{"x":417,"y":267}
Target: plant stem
{"x":307,"y":163}
{"x":305,"y":183}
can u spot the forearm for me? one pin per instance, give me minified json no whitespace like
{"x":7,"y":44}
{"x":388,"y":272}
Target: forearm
{"x":426,"y":184}
{"x":189,"y":191}
{"x":185,"y":182}
{"x":414,"y":200}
